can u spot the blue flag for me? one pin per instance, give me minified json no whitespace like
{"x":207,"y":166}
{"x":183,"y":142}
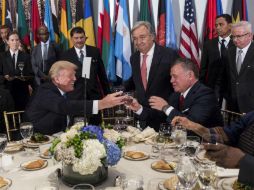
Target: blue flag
{"x":170,"y":28}
{"x":219,"y":7}
{"x":48,"y":21}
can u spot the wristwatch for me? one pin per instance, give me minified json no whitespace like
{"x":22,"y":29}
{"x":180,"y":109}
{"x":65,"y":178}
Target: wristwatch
{"x":165,"y":108}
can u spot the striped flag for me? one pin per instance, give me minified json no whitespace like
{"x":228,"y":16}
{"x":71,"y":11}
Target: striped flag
{"x":239,"y":11}
{"x":36,"y":22}
{"x":123,"y":42}
{"x":6,"y":14}
{"x":48,"y":21}
{"x":64,"y":40}
{"x":22,"y":25}
{"x":170,"y":28}
{"x":189,"y":37}
{"x":161,"y":28}
{"x":88,"y":23}
{"x":100,"y":25}
{"x":55,"y":21}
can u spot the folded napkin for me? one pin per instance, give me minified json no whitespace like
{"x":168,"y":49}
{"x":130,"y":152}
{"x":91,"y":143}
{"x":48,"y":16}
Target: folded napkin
{"x":225,"y":172}
{"x":146,"y":134}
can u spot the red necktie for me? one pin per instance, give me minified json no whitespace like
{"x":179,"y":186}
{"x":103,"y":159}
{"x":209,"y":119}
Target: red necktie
{"x":144,"y":72}
{"x":181,"y":102}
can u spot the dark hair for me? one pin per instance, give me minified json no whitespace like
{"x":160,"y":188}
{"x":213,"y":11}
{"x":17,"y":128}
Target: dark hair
{"x":188,"y":65}
{"x":227,"y":17}
{"x":78,"y":30}
{"x":12,"y":33}
{"x":4,"y":27}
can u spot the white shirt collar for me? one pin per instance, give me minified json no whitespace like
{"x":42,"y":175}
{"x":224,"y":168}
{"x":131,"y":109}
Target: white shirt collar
{"x":47,"y":42}
{"x":227,"y":39}
{"x":185,"y":93}
{"x":245,"y":49}
{"x":12,"y":52}
{"x":150,"y":52}
{"x":78,"y":50}
{"x":62,"y":92}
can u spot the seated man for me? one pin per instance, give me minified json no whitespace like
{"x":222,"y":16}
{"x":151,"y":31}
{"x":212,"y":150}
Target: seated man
{"x":190,"y":99}
{"x":231,"y":157}
{"x":50,"y":111}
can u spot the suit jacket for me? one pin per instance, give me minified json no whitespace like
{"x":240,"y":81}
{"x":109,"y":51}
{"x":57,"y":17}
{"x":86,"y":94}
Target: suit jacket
{"x":98,"y":78}
{"x":37,"y":61}
{"x":212,"y":71}
{"x":18,"y":88}
{"x":200,"y":105}
{"x":241,"y":92}
{"x":49,"y":109}
{"x":158,"y":83}
{"x":246,"y":172}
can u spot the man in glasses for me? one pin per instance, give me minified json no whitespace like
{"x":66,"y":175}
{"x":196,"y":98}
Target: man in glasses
{"x":97,"y":84}
{"x":240,"y":69}
{"x":43,"y":55}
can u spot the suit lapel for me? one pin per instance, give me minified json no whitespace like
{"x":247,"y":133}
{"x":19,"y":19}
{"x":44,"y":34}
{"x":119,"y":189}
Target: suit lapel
{"x":136,"y":68}
{"x":189,"y":96}
{"x":232,"y":56}
{"x":247,"y":59}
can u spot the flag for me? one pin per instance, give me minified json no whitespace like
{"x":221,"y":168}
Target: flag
{"x":170,"y":28}
{"x":161,"y":28}
{"x":6,"y":14}
{"x":88,"y":23}
{"x":69,"y":21}
{"x":213,"y":9}
{"x":65,"y":25}
{"x":22,"y":25}
{"x":122,"y":42}
{"x":189,"y":37}
{"x":80,"y":13}
{"x":100,"y":24}
{"x":239,"y":11}
{"x":145,"y":13}
{"x":55,"y":21}
{"x":108,"y":44}
{"x":48,"y":21}
{"x":36,"y":22}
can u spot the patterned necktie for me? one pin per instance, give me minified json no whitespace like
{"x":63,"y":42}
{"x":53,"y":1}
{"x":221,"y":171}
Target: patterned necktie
{"x":144,"y":72}
{"x":239,"y":61}
{"x":81,"y":58}
{"x":181,"y":102}
{"x":223,"y":50}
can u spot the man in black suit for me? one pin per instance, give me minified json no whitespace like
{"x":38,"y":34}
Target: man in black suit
{"x":191,"y":98}
{"x":43,"y":55}
{"x":150,"y":76}
{"x":50,"y":110}
{"x":16,"y":71}
{"x":214,"y":57}
{"x":240,"y":69}
{"x":97,"y":84}
{"x":4,"y":30}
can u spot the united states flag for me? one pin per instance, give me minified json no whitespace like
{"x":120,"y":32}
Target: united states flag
{"x":189,"y":38}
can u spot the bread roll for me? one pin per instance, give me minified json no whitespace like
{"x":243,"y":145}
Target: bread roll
{"x":3,"y":182}
{"x":171,"y":183}
{"x":35,"y":164}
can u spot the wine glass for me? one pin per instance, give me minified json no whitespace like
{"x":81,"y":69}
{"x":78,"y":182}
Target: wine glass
{"x":207,"y":174}
{"x":186,"y":173}
{"x":132,"y":182}
{"x":26,"y":131}
{"x":21,"y":67}
{"x":118,"y":89}
{"x":165,"y":132}
{"x":3,"y":143}
{"x":83,"y":186}
{"x":192,"y":146}
{"x":127,"y":102}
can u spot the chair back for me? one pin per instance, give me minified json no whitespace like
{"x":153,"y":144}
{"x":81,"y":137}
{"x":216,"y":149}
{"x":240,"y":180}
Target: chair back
{"x":230,"y":116}
{"x":12,"y":121}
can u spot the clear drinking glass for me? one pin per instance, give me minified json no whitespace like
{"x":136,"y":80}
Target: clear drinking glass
{"x":179,"y":136}
{"x":3,"y":143}
{"x":132,"y":182}
{"x":207,"y":174}
{"x":155,"y":183}
{"x":127,"y":102}
{"x":26,"y":131}
{"x":119,"y":110}
{"x":192,"y":146}
{"x":83,"y":187}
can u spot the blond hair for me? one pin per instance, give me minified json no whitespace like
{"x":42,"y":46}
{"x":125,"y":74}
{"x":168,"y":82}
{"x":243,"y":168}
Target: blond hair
{"x":59,"y":66}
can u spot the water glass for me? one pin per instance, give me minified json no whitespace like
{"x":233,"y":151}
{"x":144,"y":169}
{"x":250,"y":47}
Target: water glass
{"x":192,"y":146}
{"x":165,"y":132}
{"x":132,"y":182}
{"x":3,"y":143}
{"x":83,"y":187}
{"x":179,"y":135}
{"x":155,"y":183}
{"x":207,"y":174}
{"x":26,"y":130}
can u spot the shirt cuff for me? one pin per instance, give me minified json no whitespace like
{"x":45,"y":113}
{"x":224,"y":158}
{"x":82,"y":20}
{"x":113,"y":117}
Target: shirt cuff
{"x":95,"y":107}
{"x":168,"y":111}
{"x":140,"y":110}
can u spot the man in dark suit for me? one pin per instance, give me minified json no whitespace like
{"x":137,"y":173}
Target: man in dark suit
{"x":4,"y":30}
{"x":191,"y":98}
{"x":240,"y":69}
{"x":50,"y":110}
{"x":43,"y":55}
{"x":150,"y":76}
{"x":16,"y":71}
{"x":97,"y":84}
{"x":214,"y":57}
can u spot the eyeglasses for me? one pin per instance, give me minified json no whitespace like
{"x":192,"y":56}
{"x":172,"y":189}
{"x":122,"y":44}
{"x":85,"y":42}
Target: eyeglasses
{"x":239,"y":36}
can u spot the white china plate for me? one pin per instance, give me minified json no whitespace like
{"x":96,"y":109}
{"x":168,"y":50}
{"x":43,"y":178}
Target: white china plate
{"x":30,"y":144}
{"x":146,"y":156}
{"x":226,"y":183}
{"x":9,"y":183}
{"x":23,"y":165}
{"x":162,"y":170}
{"x":45,"y":157}
{"x":13,"y":147}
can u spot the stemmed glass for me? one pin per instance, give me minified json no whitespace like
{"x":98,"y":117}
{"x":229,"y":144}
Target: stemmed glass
{"x":127,"y":102}
{"x":118,"y":89}
{"x":26,"y":131}
{"x":3,"y":143}
{"x":131,"y":182}
{"x":207,"y":174}
{"x":21,"y":67}
{"x":192,"y":146}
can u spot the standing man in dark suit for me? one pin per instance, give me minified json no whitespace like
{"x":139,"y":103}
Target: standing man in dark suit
{"x":191,"y":98}
{"x":240,"y":69}
{"x":97,"y":84}
{"x":16,"y":64}
{"x":43,"y":55}
{"x":51,"y":111}
{"x":4,"y":30}
{"x":150,"y":76}
{"x":214,"y":57}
